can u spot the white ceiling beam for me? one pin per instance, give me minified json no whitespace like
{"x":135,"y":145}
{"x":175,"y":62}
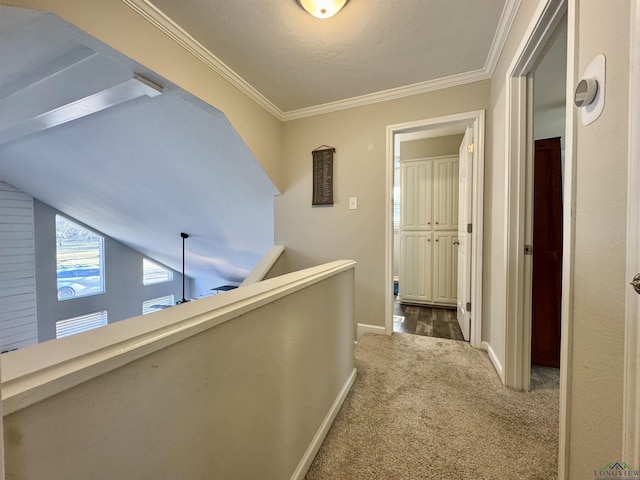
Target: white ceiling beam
{"x":107,"y":98}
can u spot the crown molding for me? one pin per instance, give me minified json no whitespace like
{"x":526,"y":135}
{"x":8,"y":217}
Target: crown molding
{"x":177,"y":33}
{"x":502,"y":32}
{"x":174,"y":31}
{"x":391,"y":94}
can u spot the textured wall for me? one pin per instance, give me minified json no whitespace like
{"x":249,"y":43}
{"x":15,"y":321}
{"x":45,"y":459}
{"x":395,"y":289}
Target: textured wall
{"x":595,"y":403}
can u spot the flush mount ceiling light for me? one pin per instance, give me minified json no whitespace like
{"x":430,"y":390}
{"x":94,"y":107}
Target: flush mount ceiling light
{"x":322,"y":8}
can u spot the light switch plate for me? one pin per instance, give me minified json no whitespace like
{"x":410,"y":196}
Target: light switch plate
{"x":353,"y":203}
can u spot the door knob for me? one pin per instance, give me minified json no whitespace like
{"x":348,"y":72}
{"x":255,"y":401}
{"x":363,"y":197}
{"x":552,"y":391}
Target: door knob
{"x":456,"y":241}
{"x":635,"y":283}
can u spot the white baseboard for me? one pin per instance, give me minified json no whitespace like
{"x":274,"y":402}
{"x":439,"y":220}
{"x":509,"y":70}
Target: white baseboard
{"x":366,"y":328}
{"x":318,"y":438}
{"x":494,"y":359}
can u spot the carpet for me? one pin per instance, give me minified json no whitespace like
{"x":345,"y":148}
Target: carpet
{"x":429,"y":408}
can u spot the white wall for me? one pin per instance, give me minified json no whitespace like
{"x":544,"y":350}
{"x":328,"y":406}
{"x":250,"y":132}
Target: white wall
{"x":124,"y":291}
{"x":549,"y":92}
{"x":549,"y":89}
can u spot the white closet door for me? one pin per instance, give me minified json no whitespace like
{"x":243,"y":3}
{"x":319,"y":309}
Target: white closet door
{"x":445,"y":180}
{"x":416,"y":186}
{"x":416,"y":260}
{"x":445,"y":266}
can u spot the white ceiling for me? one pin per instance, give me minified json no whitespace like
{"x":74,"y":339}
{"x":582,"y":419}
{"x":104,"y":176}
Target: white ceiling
{"x":146,"y":170}
{"x":297,"y":61}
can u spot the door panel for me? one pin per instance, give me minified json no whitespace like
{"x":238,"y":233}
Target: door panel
{"x":445,"y":179}
{"x":464,"y":237}
{"x":547,"y":253}
{"x":445,"y":257}
{"x":416,"y":192}
{"x":416,"y":252}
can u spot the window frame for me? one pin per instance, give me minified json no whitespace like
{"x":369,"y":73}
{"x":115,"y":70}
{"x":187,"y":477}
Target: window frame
{"x":73,"y":278}
{"x":91,"y":320}
{"x":147,"y":261}
{"x":157,"y":301}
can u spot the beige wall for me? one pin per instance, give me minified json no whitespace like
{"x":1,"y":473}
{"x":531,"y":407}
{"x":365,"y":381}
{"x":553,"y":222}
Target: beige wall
{"x":241,"y":400}
{"x":117,"y":25}
{"x":595,"y":394}
{"x":431,"y":147}
{"x":595,"y":404}
{"x":313,"y":235}
{"x":494,"y":280}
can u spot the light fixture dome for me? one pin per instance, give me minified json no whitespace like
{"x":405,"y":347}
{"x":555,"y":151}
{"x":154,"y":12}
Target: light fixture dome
{"x":322,"y":8}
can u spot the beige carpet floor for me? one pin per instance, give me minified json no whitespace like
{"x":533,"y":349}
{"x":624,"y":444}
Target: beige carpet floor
{"x":428,"y":408}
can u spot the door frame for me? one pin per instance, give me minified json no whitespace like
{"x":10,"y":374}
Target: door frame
{"x":631,"y":424}
{"x":476,"y":119}
{"x":519,"y":192}
{"x":519,"y":153}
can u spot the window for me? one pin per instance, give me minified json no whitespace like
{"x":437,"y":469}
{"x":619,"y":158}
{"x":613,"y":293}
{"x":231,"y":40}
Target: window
{"x":74,"y":325}
{"x":154,"y":273}
{"x":156,"y":304}
{"x":396,"y":208}
{"x":80,"y":260}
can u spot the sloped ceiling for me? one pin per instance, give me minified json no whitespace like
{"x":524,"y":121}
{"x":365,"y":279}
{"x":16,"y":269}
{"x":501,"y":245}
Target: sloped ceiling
{"x":142,"y":171}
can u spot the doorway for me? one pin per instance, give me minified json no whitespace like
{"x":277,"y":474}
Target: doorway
{"x":546,"y":289}
{"x":550,"y":17}
{"x":544,"y":216}
{"x":433,"y":128}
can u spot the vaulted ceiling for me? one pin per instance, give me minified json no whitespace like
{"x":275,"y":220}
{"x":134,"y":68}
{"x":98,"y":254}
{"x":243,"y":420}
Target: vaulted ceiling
{"x":141,"y":171}
{"x":151,"y":167}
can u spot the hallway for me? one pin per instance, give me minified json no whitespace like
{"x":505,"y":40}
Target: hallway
{"x":426,"y":321}
{"x":424,"y":408}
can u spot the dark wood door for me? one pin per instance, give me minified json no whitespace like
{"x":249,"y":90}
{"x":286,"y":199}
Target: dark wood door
{"x":547,"y":253}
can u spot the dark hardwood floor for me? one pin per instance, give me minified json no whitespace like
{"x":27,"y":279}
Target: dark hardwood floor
{"x":426,"y":321}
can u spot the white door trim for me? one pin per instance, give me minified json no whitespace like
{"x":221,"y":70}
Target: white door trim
{"x":518,"y":150}
{"x":631,"y":424}
{"x":517,"y":365}
{"x":477,"y":120}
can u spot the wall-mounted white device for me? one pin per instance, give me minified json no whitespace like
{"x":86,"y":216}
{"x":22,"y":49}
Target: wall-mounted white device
{"x":589,"y":94}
